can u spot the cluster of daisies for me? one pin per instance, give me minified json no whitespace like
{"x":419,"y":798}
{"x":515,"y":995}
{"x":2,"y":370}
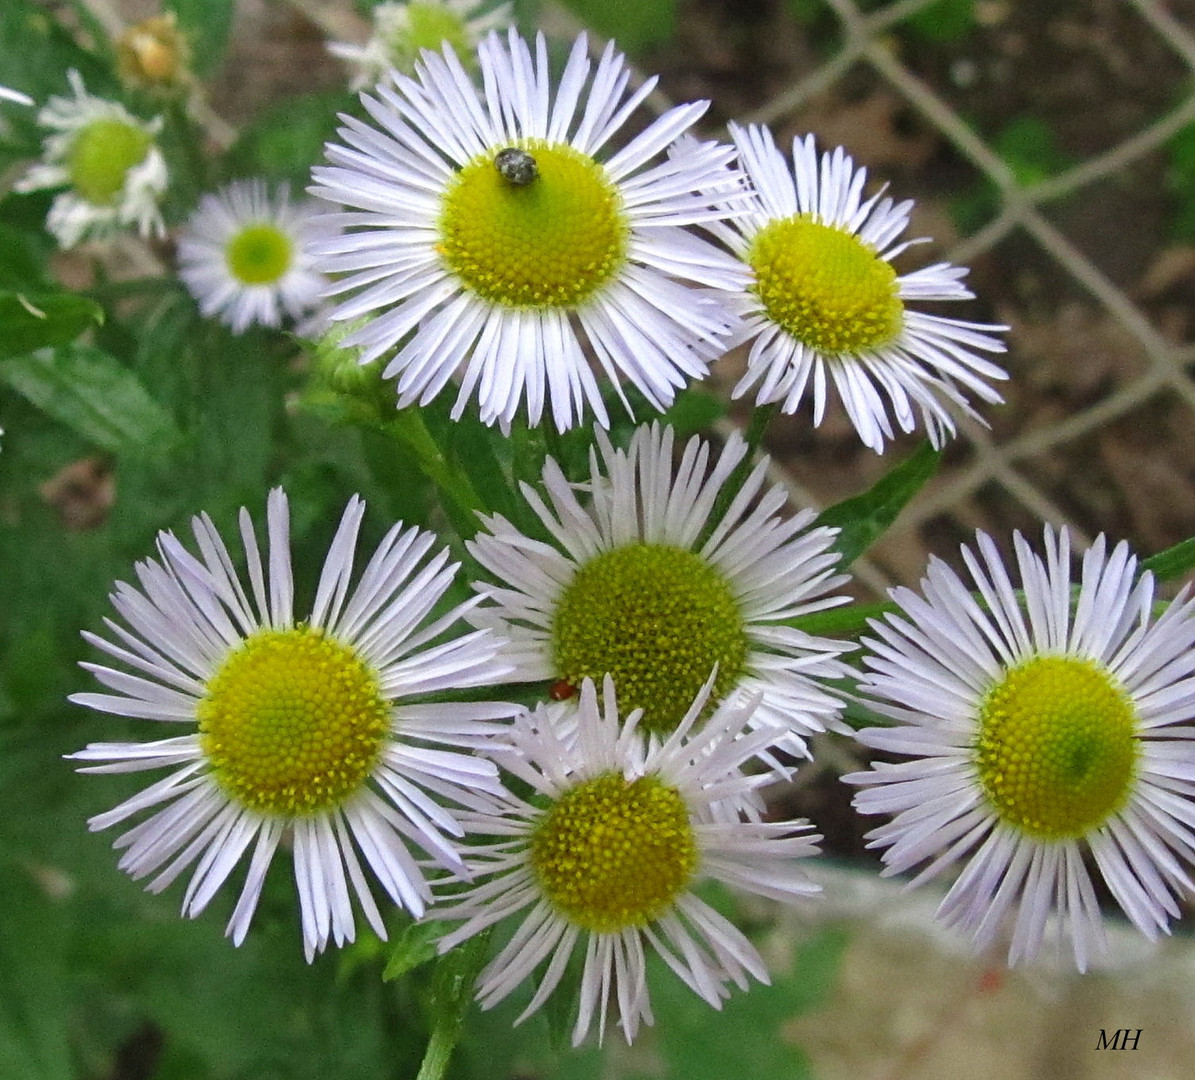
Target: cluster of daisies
{"x":482,"y":226}
{"x":487,"y":229}
{"x":1042,"y":728}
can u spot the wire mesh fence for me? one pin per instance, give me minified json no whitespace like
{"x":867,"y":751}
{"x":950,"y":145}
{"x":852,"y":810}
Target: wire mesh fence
{"x":1016,"y":471}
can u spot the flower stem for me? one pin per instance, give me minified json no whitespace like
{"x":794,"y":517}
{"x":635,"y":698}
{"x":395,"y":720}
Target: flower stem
{"x":450,"y":998}
{"x":754,"y":438}
{"x":462,"y":501}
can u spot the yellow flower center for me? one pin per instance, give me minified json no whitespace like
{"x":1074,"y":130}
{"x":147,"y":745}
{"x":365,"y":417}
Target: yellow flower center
{"x":612,"y":853}
{"x":426,"y":26}
{"x":293,"y":722}
{"x":827,"y":288}
{"x":100,"y":157}
{"x":259,"y":254}
{"x":1057,"y":748}
{"x":657,"y":618}
{"x":549,"y":243}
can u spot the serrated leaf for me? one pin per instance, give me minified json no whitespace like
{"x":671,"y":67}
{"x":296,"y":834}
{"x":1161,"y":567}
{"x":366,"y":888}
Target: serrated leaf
{"x":863,"y":519}
{"x":1174,"y":562}
{"x":95,"y":395}
{"x":30,"y":321}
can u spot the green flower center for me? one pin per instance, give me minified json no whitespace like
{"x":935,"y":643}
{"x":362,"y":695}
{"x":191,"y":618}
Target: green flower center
{"x":612,"y":853}
{"x":827,"y":288}
{"x":292,"y":723}
{"x":550,"y":243}
{"x":259,"y":255}
{"x":657,"y":618}
{"x":427,"y":26}
{"x":100,"y":157}
{"x":1057,"y":748}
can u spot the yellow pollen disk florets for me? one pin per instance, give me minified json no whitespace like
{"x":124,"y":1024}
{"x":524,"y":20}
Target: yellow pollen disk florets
{"x":825,"y":286}
{"x":656,"y":618}
{"x":259,"y":254}
{"x":551,"y":243}
{"x":1057,"y":748}
{"x":427,"y":26}
{"x":293,"y":722}
{"x":614,"y":853}
{"x":101,"y":156}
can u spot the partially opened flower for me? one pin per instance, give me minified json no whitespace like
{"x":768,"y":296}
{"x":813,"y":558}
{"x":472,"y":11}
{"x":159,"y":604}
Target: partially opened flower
{"x":244,"y":255}
{"x":401,"y":31}
{"x":607,"y":856}
{"x":825,"y":311}
{"x":1043,"y":729}
{"x":492,"y":236}
{"x":643,"y":583}
{"x":313,"y":733}
{"x":107,"y":160}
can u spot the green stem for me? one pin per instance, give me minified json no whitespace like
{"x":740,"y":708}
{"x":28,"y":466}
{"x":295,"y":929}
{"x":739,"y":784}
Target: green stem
{"x":450,"y":999}
{"x":463,"y":501}
{"x":439,"y":1049}
{"x":753,"y":436}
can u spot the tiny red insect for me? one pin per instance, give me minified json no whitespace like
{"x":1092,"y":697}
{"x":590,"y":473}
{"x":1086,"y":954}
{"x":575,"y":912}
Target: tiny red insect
{"x":561,"y":690}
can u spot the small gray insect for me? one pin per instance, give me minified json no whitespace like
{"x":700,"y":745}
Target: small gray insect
{"x":516,"y":166}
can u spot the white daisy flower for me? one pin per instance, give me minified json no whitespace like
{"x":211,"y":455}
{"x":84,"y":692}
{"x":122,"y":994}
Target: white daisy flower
{"x":107,"y":159}
{"x":642,"y":584}
{"x":1045,"y":729}
{"x":622,"y":829}
{"x":244,"y":255}
{"x":823,"y":301}
{"x":8,"y":94}
{"x":312,"y":732}
{"x":402,"y":31}
{"x":494,"y":235}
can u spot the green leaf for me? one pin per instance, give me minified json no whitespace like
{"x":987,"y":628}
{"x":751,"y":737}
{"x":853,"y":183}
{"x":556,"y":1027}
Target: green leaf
{"x":944,"y":22}
{"x":746,"y":1038}
{"x":1172,"y":563}
{"x":30,"y":321}
{"x":36,"y":51}
{"x":841,"y":621}
{"x":207,"y":24}
{"x":95,"y":395}
{"x":633,"y":24}
{"x":413,"y":948}
{"x":864,"y":518}
{"x":34,"y":1018}
{"x":22,"y":266}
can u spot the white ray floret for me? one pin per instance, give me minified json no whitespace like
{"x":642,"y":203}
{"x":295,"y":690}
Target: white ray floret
{"x":108,"y":161}
{"x":631,"y":825}
{"x":245,"y":255}
{"x":493,"y":236}
{"x":824,"y":312}
{"x":642,"y":581}
{"x":1043,"y":728}
{"x":313,"y":733}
